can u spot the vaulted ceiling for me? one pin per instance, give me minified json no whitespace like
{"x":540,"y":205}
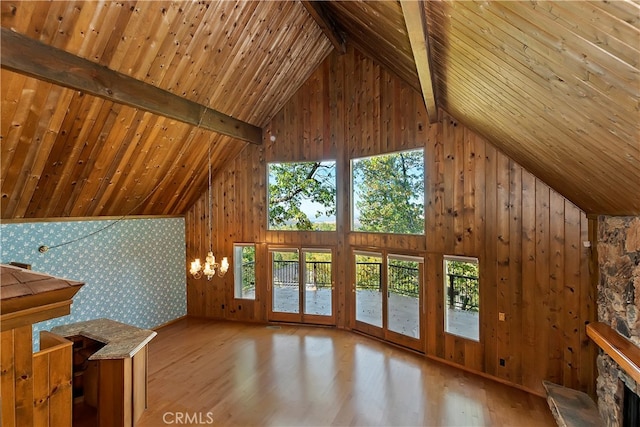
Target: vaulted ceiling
{"x":555,"y":85}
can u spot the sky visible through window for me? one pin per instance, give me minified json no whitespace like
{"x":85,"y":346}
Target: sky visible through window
{"x":387,"y":194}
{"x":302,"y":196}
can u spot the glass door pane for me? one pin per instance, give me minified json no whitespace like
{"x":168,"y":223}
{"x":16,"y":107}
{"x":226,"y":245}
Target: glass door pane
{"x":285,"y":281}
{"x":403,"y":295}
{"x":318,"y":282}
{"x":369,"y":290}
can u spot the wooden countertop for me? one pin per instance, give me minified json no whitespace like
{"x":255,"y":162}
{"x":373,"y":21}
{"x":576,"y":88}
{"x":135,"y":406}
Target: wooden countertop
{"x":122,"y":340}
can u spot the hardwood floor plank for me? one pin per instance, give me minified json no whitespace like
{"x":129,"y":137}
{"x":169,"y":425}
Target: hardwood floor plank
{"x":225,"y":373}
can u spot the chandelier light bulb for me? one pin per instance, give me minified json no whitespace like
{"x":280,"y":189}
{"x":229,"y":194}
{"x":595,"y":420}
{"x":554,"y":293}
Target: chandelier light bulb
{"x":196,"y":268}
{"x":209,"y":270}
{"x":210,"y":258}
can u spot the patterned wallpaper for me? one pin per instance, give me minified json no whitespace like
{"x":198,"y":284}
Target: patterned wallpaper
{"x":134,"y":269}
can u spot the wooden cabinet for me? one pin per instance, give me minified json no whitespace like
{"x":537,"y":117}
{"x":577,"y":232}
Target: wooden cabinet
{"x":36,"y":388}
{"x":85,"y":390}
{"x":111,"y":378}
{"x":122,"y":390}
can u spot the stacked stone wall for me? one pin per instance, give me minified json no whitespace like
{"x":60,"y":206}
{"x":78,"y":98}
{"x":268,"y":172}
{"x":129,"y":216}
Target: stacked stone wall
{"x":618,"y":306}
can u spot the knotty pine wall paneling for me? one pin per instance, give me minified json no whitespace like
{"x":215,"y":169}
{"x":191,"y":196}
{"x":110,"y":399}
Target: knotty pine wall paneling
{"x":478,"y":203}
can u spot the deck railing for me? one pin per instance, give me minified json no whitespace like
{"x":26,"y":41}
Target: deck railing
{"x":463,"y":292}
{"x":318,"y":273}
{"x":369,"y":276}
{"x":403,"y":280}
{"x":248,"y":276}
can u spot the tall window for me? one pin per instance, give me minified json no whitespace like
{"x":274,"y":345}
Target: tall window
{"x":388,"y":193}
{"x":244,"y":271}
{"x":462,"y":297}
{"x":302,"y":196}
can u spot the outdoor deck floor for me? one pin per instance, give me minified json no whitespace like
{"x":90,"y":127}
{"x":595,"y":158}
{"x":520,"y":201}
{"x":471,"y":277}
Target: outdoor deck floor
{"x":404,"y":313}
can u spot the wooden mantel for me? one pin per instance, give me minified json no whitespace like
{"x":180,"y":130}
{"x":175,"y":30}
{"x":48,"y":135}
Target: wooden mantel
{"x":622,"y":350}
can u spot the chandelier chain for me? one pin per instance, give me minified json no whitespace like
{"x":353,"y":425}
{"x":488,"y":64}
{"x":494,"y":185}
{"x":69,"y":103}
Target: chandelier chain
{"x":210,"y":202}
{"x":210,"y":268}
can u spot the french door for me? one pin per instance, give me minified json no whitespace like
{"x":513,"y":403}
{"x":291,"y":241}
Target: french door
{"x":301,"y":285}
{"x":388,"y":297}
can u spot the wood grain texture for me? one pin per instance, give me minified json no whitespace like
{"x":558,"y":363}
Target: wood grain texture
{"x":415,"y":21}
{"x":479,"y":203}
{"x":115,"y":392}
{"x":622,"y":350}
{"x":553,"y":85}
{"x":139,"y":384}
{"x":52,"y":374}
{"x":17,"y":385}
{"x":24,"y":55}
{"x":378,"y":30}
{"x":101,"y":158}
{"x":7,"y":378}
{"x":548,"y":84}
{"x":326,"y":23}
{"x":244,"y":374}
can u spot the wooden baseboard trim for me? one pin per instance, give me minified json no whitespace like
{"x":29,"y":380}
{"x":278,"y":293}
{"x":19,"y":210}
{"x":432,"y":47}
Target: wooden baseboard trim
{"x":170,"y":322}
{"x":488,"y":376}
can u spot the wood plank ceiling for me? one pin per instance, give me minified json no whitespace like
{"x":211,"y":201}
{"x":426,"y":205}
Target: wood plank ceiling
{"x":555,"y":85}
{"x":66,"y":153}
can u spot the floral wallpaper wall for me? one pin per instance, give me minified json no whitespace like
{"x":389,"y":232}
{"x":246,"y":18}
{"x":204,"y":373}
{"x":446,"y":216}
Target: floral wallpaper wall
{"x":133,"y":269}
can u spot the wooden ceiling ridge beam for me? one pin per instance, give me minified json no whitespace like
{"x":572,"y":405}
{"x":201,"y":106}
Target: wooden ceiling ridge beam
{"x":327,"y":24}
{"x":416,"y":22}
{"x":30,"y":57}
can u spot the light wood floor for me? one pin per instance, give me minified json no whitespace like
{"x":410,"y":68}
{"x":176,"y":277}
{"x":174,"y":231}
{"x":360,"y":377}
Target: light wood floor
{"x":221,"y":373}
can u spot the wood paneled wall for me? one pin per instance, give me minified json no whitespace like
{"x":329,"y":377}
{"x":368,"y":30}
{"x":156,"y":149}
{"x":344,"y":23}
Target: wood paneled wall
{"x":16,"y":378}
{"x":479,"y":203}
{"x":35,"y":388}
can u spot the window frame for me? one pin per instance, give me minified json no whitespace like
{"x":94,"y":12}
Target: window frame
{"x":238,"y":271}
{"x":352,"y":199}
{"x":465,"y":259}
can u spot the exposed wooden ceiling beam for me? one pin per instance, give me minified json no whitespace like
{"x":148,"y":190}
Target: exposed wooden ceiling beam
{"x":416,"y":23}
{"x":33,"y":58}
{"x":326,"y":24}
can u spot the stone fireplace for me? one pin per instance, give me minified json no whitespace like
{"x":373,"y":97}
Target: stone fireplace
{"x":618,"y":306}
